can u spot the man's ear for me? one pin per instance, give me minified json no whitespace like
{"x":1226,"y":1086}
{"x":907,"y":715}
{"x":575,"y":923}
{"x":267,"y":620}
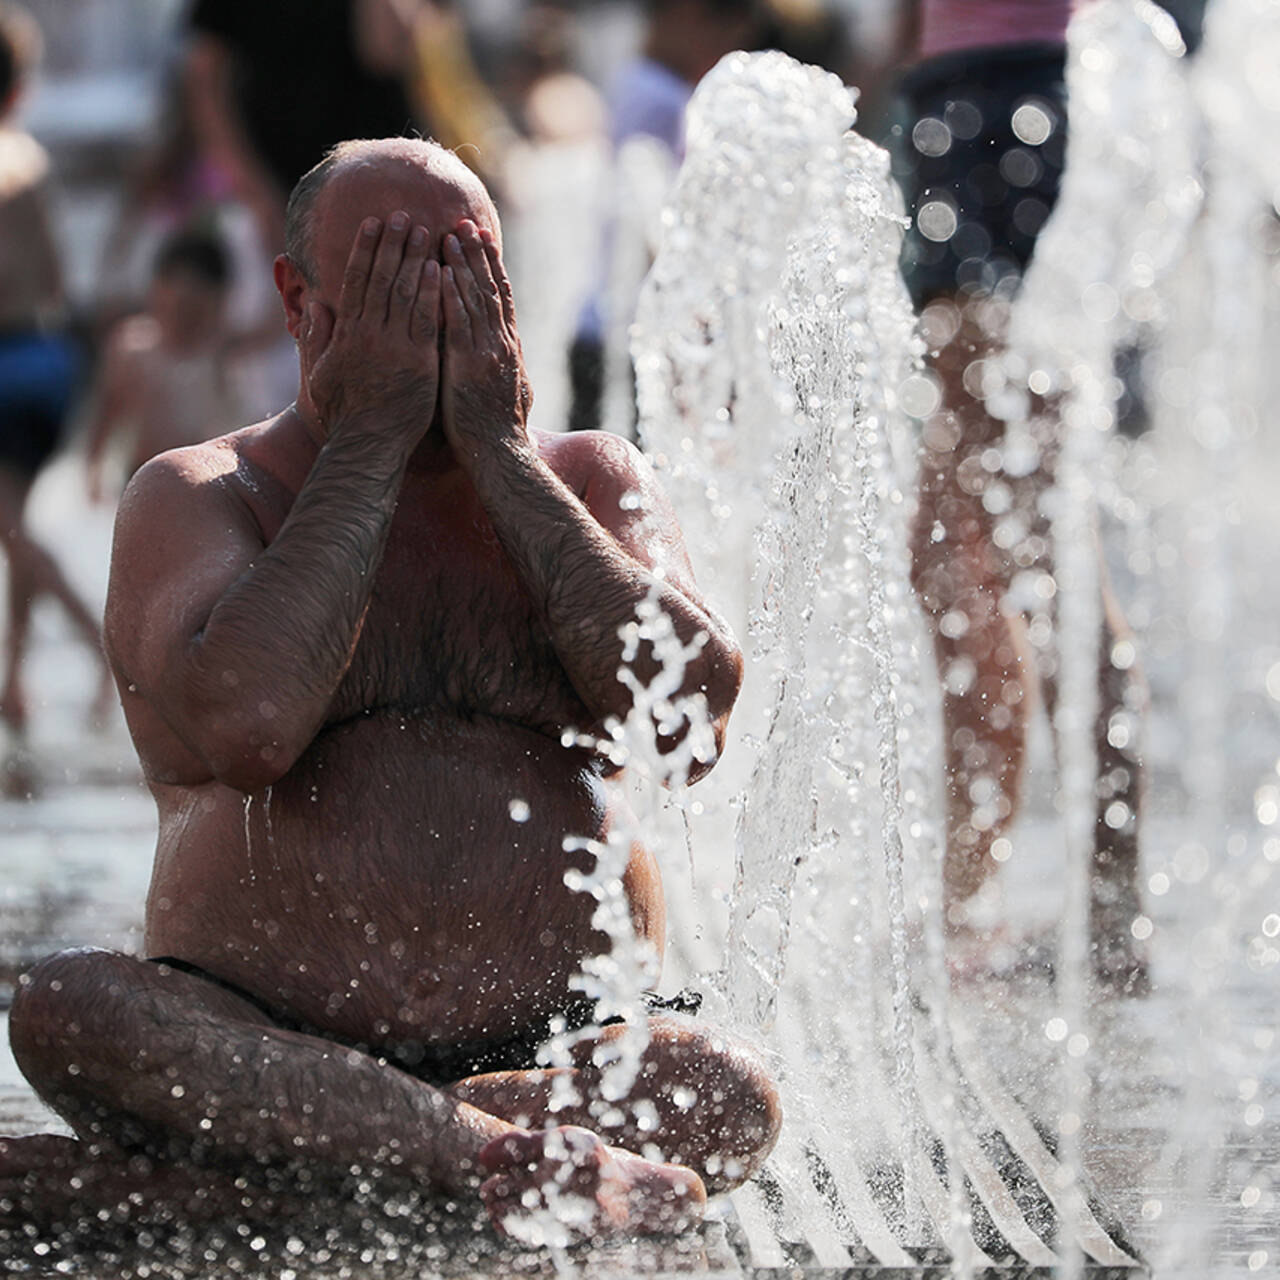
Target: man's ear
{"x":293,"y":288}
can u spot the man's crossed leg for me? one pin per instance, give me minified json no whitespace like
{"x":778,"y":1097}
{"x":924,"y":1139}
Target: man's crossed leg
{"x":191,"y":1103}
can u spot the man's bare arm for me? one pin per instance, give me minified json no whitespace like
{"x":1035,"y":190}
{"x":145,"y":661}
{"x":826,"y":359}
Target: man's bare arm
{"x":586,"y":580}
{"x":243,"y":663}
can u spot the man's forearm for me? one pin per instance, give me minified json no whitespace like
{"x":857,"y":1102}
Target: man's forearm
{"x":269,"y":658}
{"x":588,"y":587}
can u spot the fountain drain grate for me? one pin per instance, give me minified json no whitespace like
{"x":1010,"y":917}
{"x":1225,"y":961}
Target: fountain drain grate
{"x":818,"y":1227}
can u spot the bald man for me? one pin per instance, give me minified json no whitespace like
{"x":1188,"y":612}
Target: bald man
{"x":349,"y":642}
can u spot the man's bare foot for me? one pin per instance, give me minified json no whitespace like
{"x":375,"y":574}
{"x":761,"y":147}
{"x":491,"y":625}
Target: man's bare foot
{"x":568,"y":1177}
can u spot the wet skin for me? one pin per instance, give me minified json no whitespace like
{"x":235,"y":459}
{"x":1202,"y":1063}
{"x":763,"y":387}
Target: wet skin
{"x":381,"y":874}
{"x":349,"y":641}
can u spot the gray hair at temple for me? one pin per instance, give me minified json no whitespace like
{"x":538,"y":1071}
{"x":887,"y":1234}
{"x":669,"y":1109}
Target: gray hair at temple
{"x":300,"y":212}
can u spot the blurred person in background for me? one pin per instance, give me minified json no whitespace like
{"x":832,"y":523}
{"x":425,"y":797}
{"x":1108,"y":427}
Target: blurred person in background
{"x":984,"y":146}
{"x":530,"y":96}
{"x":465,"y":111}
{"x":38,"y":374}
{"x":173,"y":183}
{"x":272,"y":87}
{"x":545,"y":96}
{"x":522,"y":116}
{"x":814,"y":32}
{"x":684,"y":39}
{"x":166,"y":378}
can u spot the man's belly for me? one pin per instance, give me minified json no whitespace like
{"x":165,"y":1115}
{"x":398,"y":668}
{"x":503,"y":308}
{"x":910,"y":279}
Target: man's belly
{"x":404,"y":882}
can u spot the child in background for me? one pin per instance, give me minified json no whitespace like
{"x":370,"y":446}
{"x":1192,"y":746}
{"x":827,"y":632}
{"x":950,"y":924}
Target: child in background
{"x":165,"y":379}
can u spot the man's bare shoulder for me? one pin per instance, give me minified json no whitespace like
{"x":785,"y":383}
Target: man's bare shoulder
{"x":194,"y":473}
{"x":236,"y":478}
{"x":179,"y":474}
{"x":619,"y":486}
{"x":186,"y":519}
{"x":599,"y":459}
{"x":246,"y":464}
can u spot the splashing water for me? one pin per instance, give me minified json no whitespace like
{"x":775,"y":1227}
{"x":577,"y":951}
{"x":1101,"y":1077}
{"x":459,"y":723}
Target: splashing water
{"x":1155,"y":233}
{"x":770,"y":339}
{"x":248,"y":836}
{"x":1088,"y":292}
{"x":617,"y":980}
{"x":774,"y":356}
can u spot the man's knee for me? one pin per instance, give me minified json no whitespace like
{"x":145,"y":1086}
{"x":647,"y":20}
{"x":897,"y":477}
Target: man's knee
{"x":58,"y":1003}
{"x":726,"y":1086}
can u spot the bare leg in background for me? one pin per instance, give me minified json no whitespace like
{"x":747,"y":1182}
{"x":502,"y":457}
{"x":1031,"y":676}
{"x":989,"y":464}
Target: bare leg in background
{"x":990,"y":674}
{"x":33,"y":572}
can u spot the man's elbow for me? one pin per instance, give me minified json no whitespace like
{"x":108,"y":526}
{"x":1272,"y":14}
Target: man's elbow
{"x":242,"y":751}
{"x":719,"y":683}
{"x":249,"y":768}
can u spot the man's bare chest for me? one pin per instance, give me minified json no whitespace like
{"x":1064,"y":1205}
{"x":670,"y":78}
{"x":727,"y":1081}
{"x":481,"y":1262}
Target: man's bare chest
{"x":450,"y":627}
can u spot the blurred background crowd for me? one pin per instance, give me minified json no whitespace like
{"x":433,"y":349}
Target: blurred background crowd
{"x":175,"y":129}
{"x":147,"y":148}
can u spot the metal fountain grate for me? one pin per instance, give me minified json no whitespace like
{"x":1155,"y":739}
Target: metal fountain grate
{"x":829,"y":1202}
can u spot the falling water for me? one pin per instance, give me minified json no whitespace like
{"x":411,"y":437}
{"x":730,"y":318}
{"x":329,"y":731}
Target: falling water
{"x":1235,"y":90}
{"x":1137,"y":250}
{"x":1089,"y":284}
{"x":248,"y":835}
{"x":771,"y":344}
{"x":616,"y":981}
{"x":770,"y":337}
{"x":774,"y":357}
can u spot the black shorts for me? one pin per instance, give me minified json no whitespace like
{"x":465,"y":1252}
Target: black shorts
{"x":447,"y":1064}
{"x":980,"y":164}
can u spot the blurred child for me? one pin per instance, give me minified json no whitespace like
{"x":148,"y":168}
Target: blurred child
{"x":165,"y":378}
{"x":172,"y":184}
{"x":38,"y":367}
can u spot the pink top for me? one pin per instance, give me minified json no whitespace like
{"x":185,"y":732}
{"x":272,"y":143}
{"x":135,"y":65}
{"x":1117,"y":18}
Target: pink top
{"x":948,"y":26}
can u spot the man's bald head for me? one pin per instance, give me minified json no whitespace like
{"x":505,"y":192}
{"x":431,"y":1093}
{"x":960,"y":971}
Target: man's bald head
{"x":392,"y":158}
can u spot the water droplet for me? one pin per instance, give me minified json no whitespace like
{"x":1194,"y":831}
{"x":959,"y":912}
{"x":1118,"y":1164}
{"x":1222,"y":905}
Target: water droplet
{"x":1031,"y":124}
{"x":937,"y":220}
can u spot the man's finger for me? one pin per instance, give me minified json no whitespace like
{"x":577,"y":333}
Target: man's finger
{"x":457,"y":323}
{"x":355,"y":279}
{"x":424,"y":324}
{"x":386,"y":264}
{"x":500,"y":277}
{"x":482,"y":273}
{"x":468,"y":290}
{"x":404,"y":292}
